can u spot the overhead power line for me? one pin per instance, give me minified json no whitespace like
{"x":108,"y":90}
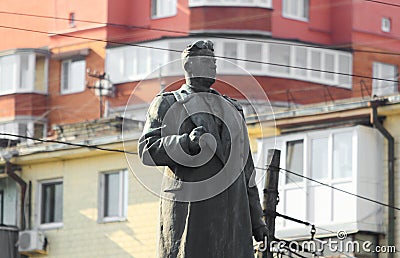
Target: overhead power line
{"x":343,"y":47}
{"x":135,"y":153}
{"x":68,"y":143}
{"x":384,"y":3}
{"x":179,"y":51}
{"x":335,"y":188}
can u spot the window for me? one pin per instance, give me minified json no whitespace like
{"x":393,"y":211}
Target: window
{"x":72,"y":20}
{"x":8,"y":73}
{"x":386,"y":82}
{"x":345,"y":70}
{"x":163,"y":8}
{"x":230,"y":50}
{"x":73,"y":75}
{"x":51,"y":203}
{"x":25,"y":71}
{"x":333,"y":157}
{"x":342,"y":155}
{"x":253,"y":52}
{"x":294,"y":160}
{"x":385,"y":26}
{"x":295,"y":9}
{"x":113,"y":196}
{"x":300,"y":57}
{"x":279,"y":54}
{"x":319,"y":162}
{"x":256,"y":3}
{"x":331,"y":67}
{"x":38,"y":130}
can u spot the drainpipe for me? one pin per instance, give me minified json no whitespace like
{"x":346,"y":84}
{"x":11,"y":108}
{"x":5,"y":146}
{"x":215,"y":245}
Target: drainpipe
{"x":11,"y":173}
{"x":391,"y":191}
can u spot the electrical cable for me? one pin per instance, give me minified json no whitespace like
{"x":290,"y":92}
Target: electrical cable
{"x":217,"y":56}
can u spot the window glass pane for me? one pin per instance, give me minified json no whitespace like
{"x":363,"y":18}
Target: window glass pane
{"x":127,"y":58}
{"x":162,"y":8}
{"x":294,"y":160}
{"x":38,"y":130}
{"x":230,"y":50}
{"x":40,"y":73}
{"x":304,"y":9}
{"x":51,"y":202}
{"x":316,"y":64}
{"x":300,"y":61}
{"x":23,"y":129}
{"x":345,"y":67}
{"x":329,"y":65}
{"x":65,"y":75}
{"x":384,"y":71}
{"x":279,"y":54}
{"x":342,"y":155}
{"x":142,"y":61}
{"x":8,"y":72}
{"x":111,"y":195}
{"x":319,"y":158}
{"x":24,"y":72}
{"x":78,"y":69}
{"x":253,"y":52}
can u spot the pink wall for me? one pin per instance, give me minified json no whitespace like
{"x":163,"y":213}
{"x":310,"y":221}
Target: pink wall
{"x":317,"y":29}
{"x":138,"y":13}
{"x":341,"y":20}
{"x":12,"y":38}
{"x":367,"y":24}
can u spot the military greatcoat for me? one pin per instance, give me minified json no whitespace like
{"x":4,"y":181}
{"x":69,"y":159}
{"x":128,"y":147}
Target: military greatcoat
{"x":220,"y":225}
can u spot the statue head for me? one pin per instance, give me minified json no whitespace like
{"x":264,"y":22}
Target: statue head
{"x":199,"y":64}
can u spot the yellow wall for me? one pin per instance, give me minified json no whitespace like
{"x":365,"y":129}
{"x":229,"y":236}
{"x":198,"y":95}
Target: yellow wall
{"x":81,"y":234}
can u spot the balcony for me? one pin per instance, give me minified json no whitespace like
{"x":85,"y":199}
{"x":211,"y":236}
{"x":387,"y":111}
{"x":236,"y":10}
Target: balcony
{"x":23,"y":71}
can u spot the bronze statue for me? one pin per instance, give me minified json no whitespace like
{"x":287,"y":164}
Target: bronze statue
{"x":210,"y":205}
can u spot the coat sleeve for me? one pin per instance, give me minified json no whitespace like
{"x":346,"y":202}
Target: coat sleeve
{"x":156,"y":138}
{"x":256,"y":212}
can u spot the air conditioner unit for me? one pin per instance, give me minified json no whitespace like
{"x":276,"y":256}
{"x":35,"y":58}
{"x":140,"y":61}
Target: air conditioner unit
{"x":32,"y":242}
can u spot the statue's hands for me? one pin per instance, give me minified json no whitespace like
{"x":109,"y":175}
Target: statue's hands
{"x":260,"y":233}
{"x":194,"y":137}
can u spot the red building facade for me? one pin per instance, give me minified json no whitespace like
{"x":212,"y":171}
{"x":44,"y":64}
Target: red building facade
{"x":297,"y":52}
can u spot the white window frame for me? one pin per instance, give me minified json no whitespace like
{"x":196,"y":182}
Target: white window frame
{"x":71,"y":89}
{"x":231,"y":3}
{"x":115,"y":66}
{"x":161,"y":10}
{"x":378,"y":87}
{"x":52,"y":225}
{"x":296,"y":16}
{"x":362,"y":180}
{"x":122,"y":195}
{"x":16,"y":83}
{"x":386,"y":24}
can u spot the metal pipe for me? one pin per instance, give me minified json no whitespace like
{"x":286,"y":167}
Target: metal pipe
{"x":23,"y":185}
{"x":391,"y":191}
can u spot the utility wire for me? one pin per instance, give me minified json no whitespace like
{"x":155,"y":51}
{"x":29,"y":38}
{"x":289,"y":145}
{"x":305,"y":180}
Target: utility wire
{"x":135,"y":153}
{"x":179,"y":51}
{"x":385,"y":3}
{"x":334,"y":188}
{"x":69,"y":143}
{"x":188,"y":33}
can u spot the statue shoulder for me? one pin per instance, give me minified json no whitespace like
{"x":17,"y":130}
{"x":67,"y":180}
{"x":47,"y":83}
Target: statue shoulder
{"x":234,"y":102}
{"x":161,"y":103}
